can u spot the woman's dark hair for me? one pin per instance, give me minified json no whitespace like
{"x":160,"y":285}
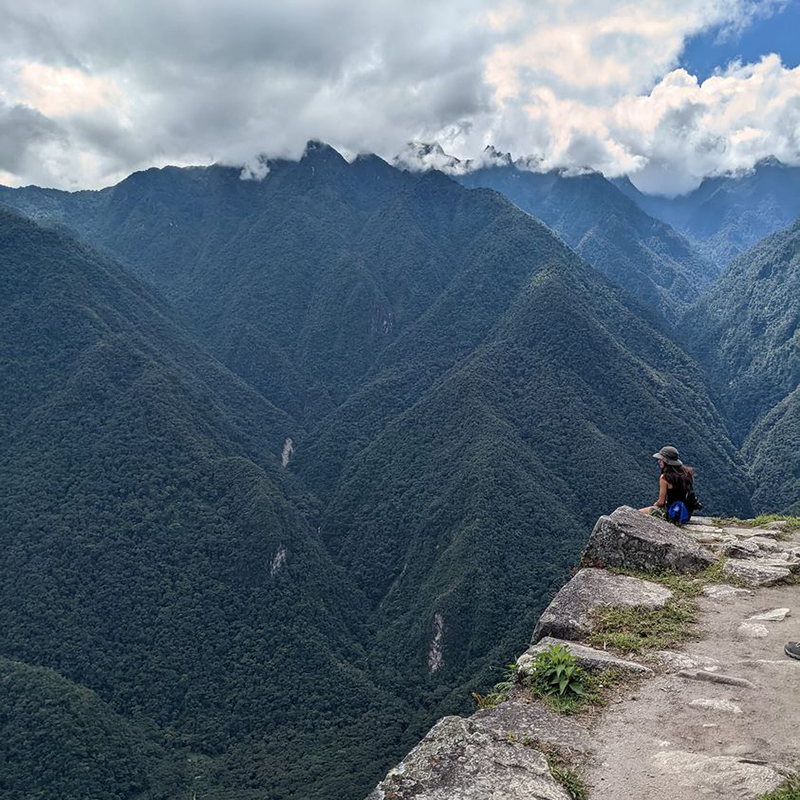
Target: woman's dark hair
{"x":680,"y":478}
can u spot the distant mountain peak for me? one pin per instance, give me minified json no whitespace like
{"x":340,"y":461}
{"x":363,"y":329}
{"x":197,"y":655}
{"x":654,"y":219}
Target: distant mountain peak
{"x":317,"y":151}
{"x":422,"y":156}
{"x":419,"y":156}
{"x":769,"y":161}
{"x":491,"y":156}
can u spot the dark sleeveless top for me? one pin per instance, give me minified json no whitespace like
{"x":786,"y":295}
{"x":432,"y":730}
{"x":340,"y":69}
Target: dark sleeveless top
{"x":679,"y":492}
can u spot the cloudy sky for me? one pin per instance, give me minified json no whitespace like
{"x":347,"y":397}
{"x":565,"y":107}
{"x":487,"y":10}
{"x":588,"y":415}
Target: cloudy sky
{"x":667,"y":91}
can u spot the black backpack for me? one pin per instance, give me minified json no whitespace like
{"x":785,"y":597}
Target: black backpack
{"x":692,"y":502}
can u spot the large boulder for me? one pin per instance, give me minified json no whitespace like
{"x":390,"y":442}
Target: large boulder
{"x":570,"y":614}
{"x":461,"y":759}
{"x":637,"y":541}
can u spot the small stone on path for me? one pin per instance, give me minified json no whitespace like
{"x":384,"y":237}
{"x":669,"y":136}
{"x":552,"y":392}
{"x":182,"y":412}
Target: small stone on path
{"x":715,"y":677}
{"x":773,"y":615}
{"x":747,"y":533}
{"x":708,"y":704}
{"x":722,"y":591}
{"x":767,"y":545}
{"x":739,"y":549}
{"x":675,"y":661}
{"x":751,"y":630}
{"x":720,"y":776}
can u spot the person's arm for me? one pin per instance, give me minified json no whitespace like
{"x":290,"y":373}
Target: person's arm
{"x":662,"y":496}
{"x":662,"y":491}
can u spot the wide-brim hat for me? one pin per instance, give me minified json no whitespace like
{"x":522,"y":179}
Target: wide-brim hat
{"x":669,"y":455}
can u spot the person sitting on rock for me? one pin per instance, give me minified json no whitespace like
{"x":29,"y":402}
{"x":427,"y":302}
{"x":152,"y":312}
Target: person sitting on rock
{"x":675,"y":488}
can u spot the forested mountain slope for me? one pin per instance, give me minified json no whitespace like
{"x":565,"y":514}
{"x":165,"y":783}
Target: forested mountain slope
{"x":298,"y":281}
{"x":465,"y":395}
{"x":283,"y":278}
{"x":153,"y":550}
{"x":489,"y":443}
{"x":746,"y":330}
{"x":640,"y":253}
{"x":728,"y":214}
{"x":61,"y":740}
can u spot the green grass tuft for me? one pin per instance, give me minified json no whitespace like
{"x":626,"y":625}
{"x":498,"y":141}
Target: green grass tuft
{"x":790,"y":790}
{"x":637,"y":630}
{"x":566,"y":777}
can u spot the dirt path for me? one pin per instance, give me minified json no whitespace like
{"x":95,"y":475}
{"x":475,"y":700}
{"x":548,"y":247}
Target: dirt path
{"x":683,"y":738}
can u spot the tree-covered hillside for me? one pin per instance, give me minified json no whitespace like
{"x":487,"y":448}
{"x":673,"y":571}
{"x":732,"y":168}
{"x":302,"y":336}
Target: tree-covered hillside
{"x":500,"y":438}
{"x":728,"y":214}
{"x":635,"y":251}
{"x":464,"y":394}
{"x":153,"y":550}
{"x":298,"y":281}
{"x":746,"y":332}
{"x":61,"y":740}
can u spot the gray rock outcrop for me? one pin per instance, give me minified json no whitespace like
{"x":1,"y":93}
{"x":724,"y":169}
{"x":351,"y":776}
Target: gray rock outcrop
{"x":532,"y":722}
{"x":460,"y":759}
{"x":632,"y":540}
{"x":587,"y":657}
{"x":699,"y":725}
{"x":570,"y":614}
{"x":756,"y":574}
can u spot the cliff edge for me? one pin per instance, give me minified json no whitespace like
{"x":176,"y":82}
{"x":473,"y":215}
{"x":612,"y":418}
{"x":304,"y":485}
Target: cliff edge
{"x":685,"y":628}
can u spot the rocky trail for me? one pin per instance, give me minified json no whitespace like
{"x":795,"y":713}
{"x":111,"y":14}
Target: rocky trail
{"x":716,"y":716}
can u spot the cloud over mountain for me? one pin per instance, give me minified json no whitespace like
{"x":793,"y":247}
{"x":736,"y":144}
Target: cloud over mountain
{"x":93,"y":92}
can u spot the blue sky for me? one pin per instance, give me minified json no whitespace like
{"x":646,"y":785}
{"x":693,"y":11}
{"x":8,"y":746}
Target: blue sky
{"x":779,"y":33}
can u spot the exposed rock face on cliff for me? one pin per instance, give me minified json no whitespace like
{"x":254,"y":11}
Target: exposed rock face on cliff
{"x":468,"y":757}
{"x":632,"y":540}
{"x":569,"y":615}
{"x":715,"y":717}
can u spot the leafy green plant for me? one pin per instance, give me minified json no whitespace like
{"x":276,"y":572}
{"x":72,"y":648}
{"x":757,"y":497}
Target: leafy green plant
{"x":556,"y":673}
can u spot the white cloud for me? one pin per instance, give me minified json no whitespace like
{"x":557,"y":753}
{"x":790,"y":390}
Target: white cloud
{"x":109,"y":88}
{"x":730,"y":121}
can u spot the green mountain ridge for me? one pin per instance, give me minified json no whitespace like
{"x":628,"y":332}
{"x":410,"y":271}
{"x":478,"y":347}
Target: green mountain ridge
{"x":464,"y":393}
{"x":635,"y":251}
{"x":746,"y":331}
{"x":728,"y":214}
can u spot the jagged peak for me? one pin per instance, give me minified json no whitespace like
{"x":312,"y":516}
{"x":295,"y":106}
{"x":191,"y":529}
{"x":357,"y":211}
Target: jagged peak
{"x":419,"y":156}
{"x":769,"y":161}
